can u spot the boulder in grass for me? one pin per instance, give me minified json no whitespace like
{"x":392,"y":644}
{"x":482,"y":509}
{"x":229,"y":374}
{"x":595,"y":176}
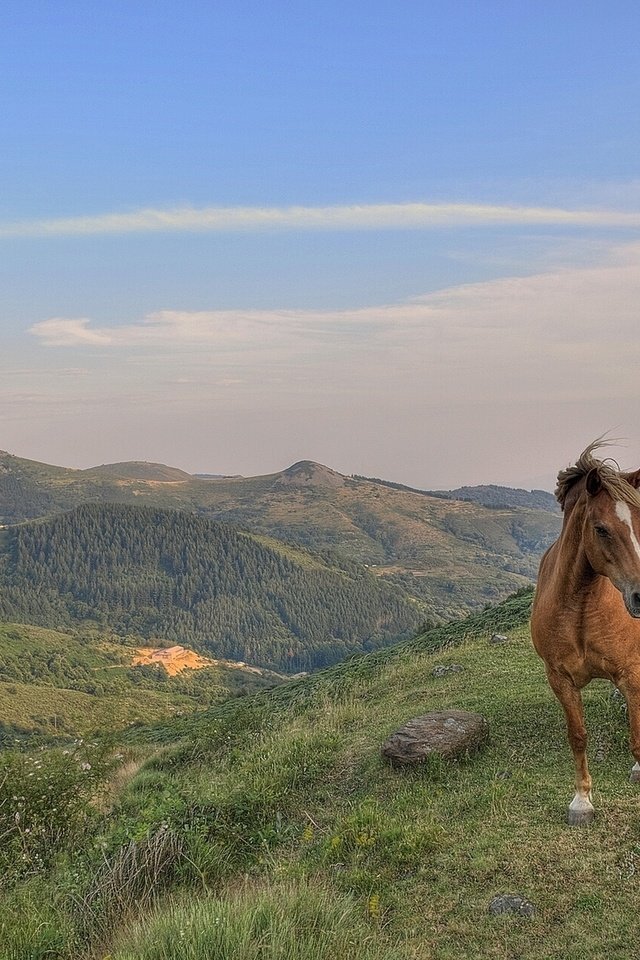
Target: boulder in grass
{"x":444,"y":669}
{"x":444,"y":733}
{"x":498,"y":638}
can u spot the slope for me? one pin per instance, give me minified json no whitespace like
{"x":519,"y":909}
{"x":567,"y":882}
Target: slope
{"x":492,"y":495}
{"x":264,"y":813}
{"x":55,"y":684}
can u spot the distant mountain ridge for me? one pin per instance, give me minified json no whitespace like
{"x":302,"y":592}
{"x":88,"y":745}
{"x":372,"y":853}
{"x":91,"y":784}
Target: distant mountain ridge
{"x":492,"y":495}
{"x":139,"y":470}
{"x":489,"y":495}
{"x":448,"y":555}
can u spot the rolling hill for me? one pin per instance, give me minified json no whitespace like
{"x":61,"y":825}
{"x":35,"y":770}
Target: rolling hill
{"x":449,"y":555}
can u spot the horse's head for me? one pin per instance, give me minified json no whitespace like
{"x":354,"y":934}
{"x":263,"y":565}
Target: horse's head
{"x":611,"y":533}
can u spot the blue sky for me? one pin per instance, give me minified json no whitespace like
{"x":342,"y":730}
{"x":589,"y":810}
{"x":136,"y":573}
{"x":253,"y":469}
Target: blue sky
{"x":399,"y":238}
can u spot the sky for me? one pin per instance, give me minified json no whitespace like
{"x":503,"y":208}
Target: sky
{"x":400,"y":239}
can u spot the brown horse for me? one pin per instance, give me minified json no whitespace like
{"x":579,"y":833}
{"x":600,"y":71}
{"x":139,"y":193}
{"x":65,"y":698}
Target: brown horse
{"x":584,"y":622}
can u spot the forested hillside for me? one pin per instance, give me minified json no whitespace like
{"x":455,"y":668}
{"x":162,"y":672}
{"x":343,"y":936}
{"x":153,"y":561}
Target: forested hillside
{"x":492,"y":495}
{"x":170,"y":574}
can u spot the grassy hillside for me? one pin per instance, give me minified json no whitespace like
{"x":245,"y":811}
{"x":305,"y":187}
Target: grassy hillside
{"x":452,"y":555}
{"x":272,"y":827}
{"x":55,"y":684}
{"x":196,"y":582}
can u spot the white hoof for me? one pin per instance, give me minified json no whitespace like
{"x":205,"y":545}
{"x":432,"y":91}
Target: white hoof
{"x":580,"y":818}
{"x":634,"y":776}
{"x":581,"y":811}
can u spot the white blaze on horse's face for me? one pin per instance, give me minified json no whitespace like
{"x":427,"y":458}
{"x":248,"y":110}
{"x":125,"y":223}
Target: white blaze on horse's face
{"x":623,"y":512}
{"x":627,"y":577}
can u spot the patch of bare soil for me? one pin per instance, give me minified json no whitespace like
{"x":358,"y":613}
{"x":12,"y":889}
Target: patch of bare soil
{"x":173,"y":659}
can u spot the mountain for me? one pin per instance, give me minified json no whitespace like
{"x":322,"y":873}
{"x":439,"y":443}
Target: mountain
{"x":194,"y":581}
{"x":452,"y":555}
{"x":138,"y":470}
{"x":489,"y":495}
{"x":271,"y":826}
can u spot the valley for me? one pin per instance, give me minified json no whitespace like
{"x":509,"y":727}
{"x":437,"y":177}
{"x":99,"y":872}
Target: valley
{"x":250,"y":580}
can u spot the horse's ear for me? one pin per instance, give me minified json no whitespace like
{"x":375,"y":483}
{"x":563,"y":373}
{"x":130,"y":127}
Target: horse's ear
{"x":633,"y":479}
{"x":593,"y":482}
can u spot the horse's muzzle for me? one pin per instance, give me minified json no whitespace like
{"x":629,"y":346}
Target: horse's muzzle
{"x":632,"y":601}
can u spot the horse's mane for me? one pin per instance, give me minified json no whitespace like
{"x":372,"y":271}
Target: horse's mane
{"x":611,"y":477}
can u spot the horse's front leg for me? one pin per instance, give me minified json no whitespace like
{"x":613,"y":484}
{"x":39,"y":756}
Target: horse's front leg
{"x":581,"y":810}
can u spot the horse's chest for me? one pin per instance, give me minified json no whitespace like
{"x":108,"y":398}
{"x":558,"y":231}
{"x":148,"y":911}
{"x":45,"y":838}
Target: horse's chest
{"x":600,"y":647}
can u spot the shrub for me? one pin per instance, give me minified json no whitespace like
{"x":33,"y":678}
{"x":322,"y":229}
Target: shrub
{"x":45,"y":805}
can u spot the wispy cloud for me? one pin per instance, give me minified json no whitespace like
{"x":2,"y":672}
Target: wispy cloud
{"x":379,"y":216}
{"x":65,"y":332}
{"x":528,"y":367}
{"x":504,"y":337}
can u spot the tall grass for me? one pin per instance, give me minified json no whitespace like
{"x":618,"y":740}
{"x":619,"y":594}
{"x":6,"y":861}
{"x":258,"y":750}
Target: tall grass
{"x":281,"y":922}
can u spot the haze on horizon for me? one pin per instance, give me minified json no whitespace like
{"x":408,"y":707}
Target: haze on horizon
{"x":402,"y":241}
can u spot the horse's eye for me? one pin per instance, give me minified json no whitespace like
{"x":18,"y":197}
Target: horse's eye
{"x":602,"y":532}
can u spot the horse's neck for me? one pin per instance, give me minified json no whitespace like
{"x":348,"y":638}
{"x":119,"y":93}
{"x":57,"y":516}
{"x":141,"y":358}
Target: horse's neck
{"x":573,"y":568}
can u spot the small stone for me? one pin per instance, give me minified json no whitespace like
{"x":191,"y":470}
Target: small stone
{"x":619,"y":699}
{"x":498,"y":638}
{"x":446,"y":733}
{"x":511,"y":903}
{"x":443,"y":669}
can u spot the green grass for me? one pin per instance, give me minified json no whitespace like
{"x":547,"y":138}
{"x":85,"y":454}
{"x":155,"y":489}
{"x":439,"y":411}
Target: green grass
{"x":55,"y":684}
{"x":284,"y":799}
{"x":29,"y":708}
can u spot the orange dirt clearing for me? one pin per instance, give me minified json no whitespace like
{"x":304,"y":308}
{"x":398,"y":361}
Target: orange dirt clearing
{"x":173,"y":659}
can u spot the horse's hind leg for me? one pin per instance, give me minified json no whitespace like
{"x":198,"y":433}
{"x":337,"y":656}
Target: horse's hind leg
{"x":630,"y":688}
{"x":581,"y":811}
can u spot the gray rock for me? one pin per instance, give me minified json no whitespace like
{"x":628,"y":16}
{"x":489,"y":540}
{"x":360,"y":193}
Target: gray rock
{"x":498,"y":638}
{"x":446,"y":733}
{"x":511,"y":903}
{"x":443,"y":669}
